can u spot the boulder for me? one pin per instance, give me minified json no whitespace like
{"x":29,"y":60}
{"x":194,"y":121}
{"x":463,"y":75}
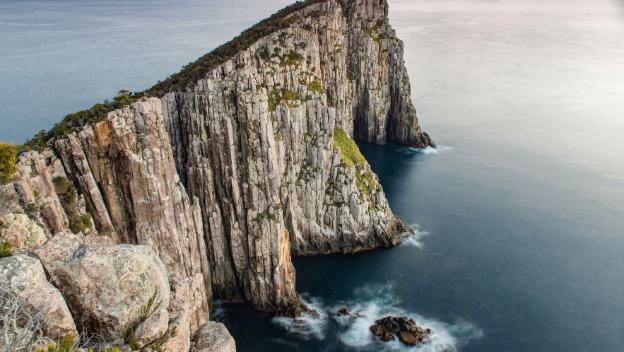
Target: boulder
{"x":387,"y":328}
{"x":214,"y":337}
{"x":23,"y":278}
{"x":60,"y":248}
{"x":21,"y":232}
{"x":120,"y":291}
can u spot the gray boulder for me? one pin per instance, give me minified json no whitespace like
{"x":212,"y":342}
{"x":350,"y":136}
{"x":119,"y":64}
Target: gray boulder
{"x":214,"y":337}
{"x":23,"y":278}
{"x":120,"y":291}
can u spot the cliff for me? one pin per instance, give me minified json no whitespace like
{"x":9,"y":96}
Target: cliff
{"x":241,"y":160}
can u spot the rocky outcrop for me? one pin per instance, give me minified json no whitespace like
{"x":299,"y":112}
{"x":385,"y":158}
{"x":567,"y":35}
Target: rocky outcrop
{"x":23,"y":277}
{"x":214,"y":337}
{"x":227,"y":177}
{"x":121,"y":291}
{"x":387,"y":328}
{"x":21,"y":232}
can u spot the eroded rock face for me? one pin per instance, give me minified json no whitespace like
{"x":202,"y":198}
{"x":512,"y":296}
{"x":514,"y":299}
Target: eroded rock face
{"x":23,"y":277}
{"x":21,"y":232}
{"x":387,"y":328}
{"x":114,"y":289}
{"x":214,"y":337}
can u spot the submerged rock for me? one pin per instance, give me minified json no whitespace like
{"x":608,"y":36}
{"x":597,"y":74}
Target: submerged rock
{"x":387,"y":328}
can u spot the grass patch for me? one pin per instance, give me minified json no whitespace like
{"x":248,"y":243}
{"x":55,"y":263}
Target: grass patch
{"x":283,"y":96}
{"x":351,"y":156}
{"x":316,"y":86}
{"x":293,"y":58}
{"x":8,"y":161}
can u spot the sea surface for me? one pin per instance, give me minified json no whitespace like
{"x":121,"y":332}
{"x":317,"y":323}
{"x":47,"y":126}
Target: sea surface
{"x":519,"y":215}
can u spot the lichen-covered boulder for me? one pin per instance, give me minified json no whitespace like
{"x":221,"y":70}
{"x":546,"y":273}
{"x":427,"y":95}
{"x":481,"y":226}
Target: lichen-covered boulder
{"x":61,"y":247}
{"x":22,"y":277}
{"x":20,"y":232}
{"x":214,"y":337}
{"x":120,"y":291}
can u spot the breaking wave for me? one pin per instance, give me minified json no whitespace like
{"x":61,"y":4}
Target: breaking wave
{"x":310,"y":325}
{"x":372,"y":302}
{"x":429,"y":150}
{"x":415,"y":239}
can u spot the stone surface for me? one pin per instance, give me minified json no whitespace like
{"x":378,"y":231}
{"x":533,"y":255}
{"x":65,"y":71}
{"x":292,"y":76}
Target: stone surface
{"x":214,"y":337}
{"x":23,"y":276}
{"x":387,"y":328}
{"x":21,"y":232}
{"x":114,"y":289}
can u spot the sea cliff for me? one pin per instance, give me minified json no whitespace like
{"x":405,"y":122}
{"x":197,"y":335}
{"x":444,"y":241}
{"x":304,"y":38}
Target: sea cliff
{"x":228,"y":169}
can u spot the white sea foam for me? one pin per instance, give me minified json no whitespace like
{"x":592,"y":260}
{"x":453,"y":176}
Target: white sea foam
{"x":429,"y":150}
{"x":374,"y":302}
{"x":309,"y":326}
{"x":415,"y":239}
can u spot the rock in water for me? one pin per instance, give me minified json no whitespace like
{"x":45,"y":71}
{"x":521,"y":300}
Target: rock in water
{"x":387,"y":328}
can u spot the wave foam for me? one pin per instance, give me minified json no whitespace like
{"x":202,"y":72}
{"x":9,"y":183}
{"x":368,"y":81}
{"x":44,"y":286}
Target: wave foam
{"x":309,"y":326}
{"x":372,"y":302}
{"x":429,"y":150}
{"x":414,"y":239}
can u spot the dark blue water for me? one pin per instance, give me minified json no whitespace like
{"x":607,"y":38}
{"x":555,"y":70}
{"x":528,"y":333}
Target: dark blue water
{"x":514,"y":261}
{"x":523,"y":207}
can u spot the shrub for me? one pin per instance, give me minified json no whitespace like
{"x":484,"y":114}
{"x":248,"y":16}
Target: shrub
{"x":8,"y":161}
{"x":68,"y":196}
{"x":5,"y":249}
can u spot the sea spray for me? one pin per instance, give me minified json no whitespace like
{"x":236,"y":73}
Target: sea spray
{"x":311,"y":325}
{"x":414,"y":239}
{"x":369,"y":303}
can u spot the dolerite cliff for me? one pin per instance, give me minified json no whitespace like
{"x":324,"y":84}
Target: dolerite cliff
{"x":229,"y":176}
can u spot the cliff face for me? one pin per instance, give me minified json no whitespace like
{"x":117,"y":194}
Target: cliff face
{"x":226,"y":178}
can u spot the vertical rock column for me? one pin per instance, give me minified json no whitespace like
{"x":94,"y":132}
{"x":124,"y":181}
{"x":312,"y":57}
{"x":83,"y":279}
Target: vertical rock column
{"x":124,"y":165}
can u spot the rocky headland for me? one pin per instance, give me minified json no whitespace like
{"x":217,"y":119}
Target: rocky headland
{"x":126,"y":220}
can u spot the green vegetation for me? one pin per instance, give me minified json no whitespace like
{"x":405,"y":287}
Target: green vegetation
{"x":283,"y":97}
{"x":5,"y":249}
{"x":75,"y":121}
{"x":351,"y":156}
{"x":68,"y":197}
{"x":373,"y":32}
{"x":316,"y":86}
{"x":144,"y":313}
{"x":293,"y":58}
{"x":65,"y":344}
{"x":8,"y":161}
